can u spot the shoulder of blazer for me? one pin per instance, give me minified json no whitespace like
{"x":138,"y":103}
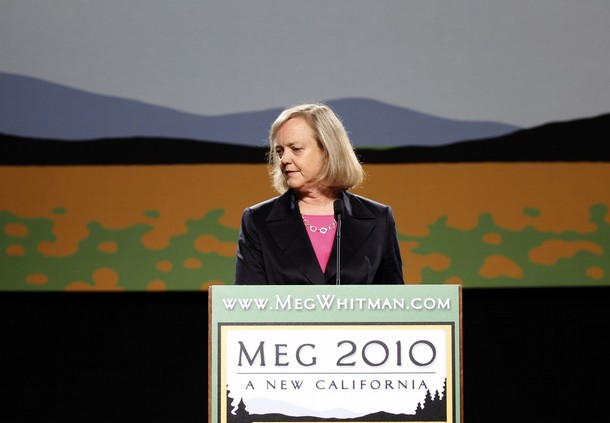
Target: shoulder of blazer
{"x":276,"y":208}
{"x":362,"y":207}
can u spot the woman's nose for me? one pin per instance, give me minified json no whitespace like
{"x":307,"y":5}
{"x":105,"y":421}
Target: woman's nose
{"x":285,"y":158}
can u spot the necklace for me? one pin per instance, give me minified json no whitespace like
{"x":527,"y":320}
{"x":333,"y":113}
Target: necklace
{"x":322,"y":230}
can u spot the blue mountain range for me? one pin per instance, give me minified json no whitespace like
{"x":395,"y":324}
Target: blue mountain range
{"x":35,"y":108}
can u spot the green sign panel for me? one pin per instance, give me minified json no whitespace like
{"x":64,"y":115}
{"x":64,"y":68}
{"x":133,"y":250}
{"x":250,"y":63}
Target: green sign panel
{"x":348,"y":353}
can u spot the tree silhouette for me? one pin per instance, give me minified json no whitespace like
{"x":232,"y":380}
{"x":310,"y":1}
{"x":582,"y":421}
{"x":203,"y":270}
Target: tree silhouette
{"x":231,"y":418}
{"x":239,"y":414}
{"x":433,"y":409}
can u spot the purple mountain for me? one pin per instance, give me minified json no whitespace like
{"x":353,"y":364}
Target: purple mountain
{"x":35,"y":108}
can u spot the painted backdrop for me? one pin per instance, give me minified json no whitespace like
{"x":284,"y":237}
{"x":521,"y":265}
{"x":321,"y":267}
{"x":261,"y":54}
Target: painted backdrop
{"x":132,"y":135}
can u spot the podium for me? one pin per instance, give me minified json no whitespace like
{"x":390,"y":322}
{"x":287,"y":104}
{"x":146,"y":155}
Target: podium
{"x":366,"y":353}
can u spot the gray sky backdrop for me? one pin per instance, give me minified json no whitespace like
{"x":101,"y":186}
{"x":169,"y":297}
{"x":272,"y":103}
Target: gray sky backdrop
{"x":520,"y":62}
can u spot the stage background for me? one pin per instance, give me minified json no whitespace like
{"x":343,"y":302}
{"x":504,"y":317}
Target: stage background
{"x":132,"y":137}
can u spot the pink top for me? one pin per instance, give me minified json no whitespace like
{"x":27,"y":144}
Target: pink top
{"x":321,"y":230}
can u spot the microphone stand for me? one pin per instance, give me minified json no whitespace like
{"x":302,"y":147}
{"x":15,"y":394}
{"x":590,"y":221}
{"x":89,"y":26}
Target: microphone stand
{"x":339,"y":218}
{"x":338,"y":211}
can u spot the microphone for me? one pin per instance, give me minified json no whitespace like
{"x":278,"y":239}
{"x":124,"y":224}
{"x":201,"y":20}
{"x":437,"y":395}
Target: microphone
{"x":338,"y":210}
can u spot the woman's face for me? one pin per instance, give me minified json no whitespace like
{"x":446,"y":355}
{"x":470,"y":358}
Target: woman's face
{"x":301,"y":157}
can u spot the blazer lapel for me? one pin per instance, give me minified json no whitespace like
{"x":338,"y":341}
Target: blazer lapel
{"x":356,"y":226}
{"x":286,"y":227}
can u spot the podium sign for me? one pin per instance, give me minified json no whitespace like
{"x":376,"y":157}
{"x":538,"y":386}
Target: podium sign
{"x":347,"y":353}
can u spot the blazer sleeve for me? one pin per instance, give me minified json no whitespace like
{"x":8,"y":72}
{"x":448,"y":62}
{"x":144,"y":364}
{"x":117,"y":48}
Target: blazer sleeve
{"x":390,"y":268}
{"x":250,"y":266}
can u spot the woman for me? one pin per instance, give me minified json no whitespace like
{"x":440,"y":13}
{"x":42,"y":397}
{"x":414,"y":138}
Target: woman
{"x":290,"y":239}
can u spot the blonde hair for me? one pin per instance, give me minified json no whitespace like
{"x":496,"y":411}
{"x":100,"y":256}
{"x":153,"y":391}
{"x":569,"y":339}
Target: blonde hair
{"x":342,"y":169}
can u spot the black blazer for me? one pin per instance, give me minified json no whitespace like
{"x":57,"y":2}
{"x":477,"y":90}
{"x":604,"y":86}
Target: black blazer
{"x":274,"y":248}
